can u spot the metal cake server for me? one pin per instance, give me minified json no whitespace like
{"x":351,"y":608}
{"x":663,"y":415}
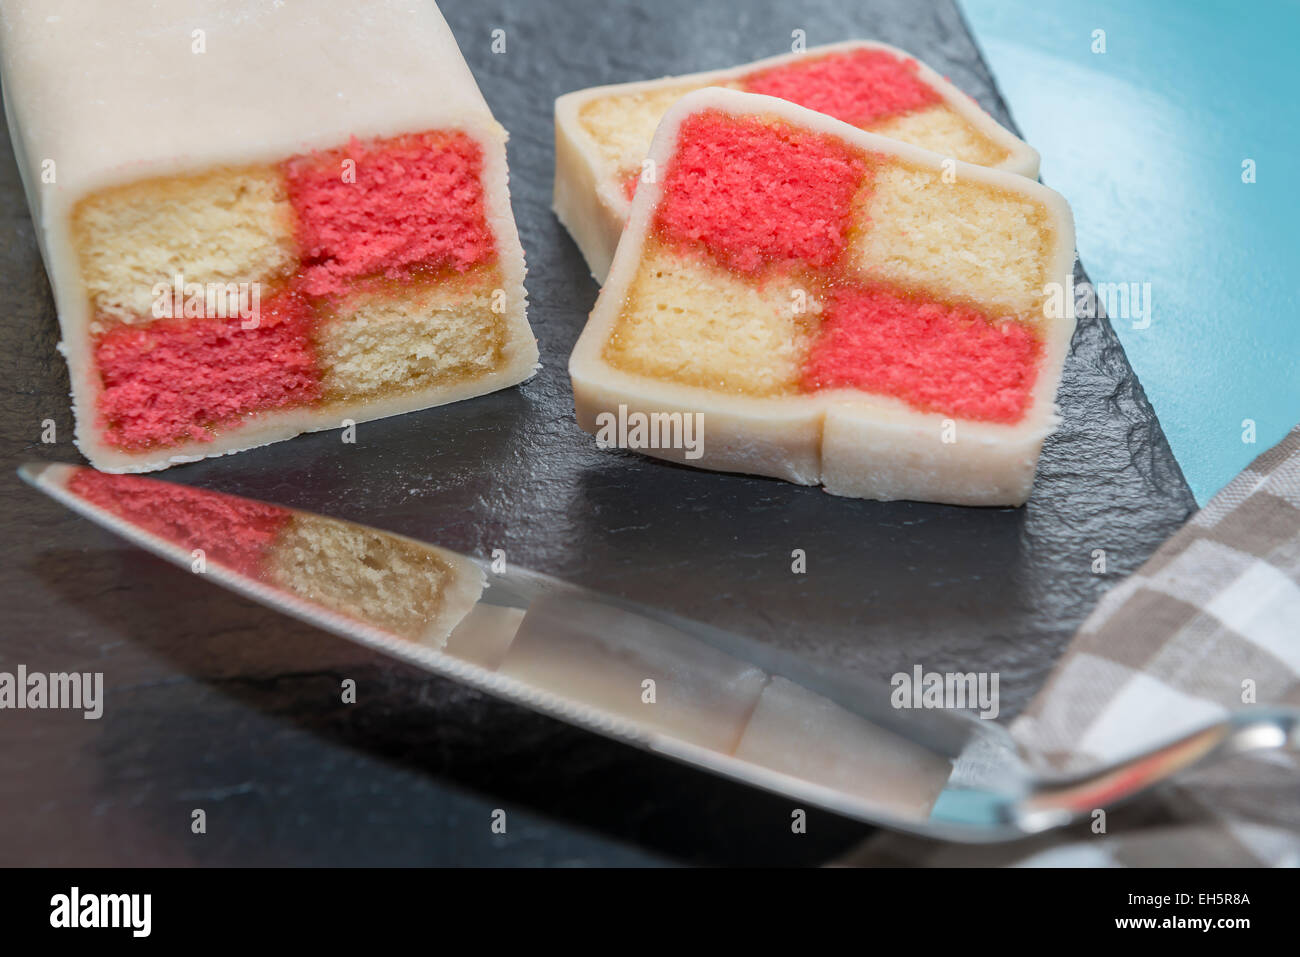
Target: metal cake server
{"x":678,"y":688}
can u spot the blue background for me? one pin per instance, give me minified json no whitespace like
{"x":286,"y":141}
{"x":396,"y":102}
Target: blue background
{"x":1147,"y":141}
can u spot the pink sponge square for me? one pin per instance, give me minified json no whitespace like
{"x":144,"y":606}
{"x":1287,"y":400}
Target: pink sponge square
{"x":935,"y":356}
{"x":755,"y":193}
{"x":168,"y":380}
{"x":385,"y":208}
{"x":859,"y":87}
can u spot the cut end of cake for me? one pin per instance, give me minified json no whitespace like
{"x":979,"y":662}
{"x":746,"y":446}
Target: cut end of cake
{"x":413,"y":204}
{"x":742,"y":192}
{"x":789,"y":273}
{"x":860,"y":87}
{"x":239,"y":305}
{"x":783,"y":261}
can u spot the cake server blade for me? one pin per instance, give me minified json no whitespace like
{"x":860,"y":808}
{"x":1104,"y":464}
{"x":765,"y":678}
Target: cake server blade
{"x":681,"y":689}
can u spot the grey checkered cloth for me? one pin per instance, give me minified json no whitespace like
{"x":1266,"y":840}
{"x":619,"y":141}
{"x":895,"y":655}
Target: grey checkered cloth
{"x":1210,"y":623}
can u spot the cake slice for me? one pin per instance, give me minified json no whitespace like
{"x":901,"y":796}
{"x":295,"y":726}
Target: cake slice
{"x":261,"y":219}
{"x":602,"y":135}
{"x":798,"y":298}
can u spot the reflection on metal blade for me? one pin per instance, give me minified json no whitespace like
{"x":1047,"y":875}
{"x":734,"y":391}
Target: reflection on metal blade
{"x":681,"y":689}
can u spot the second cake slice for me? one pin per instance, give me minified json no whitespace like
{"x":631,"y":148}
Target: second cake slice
{"x":602,"y":134}
{"x":797,"y":298}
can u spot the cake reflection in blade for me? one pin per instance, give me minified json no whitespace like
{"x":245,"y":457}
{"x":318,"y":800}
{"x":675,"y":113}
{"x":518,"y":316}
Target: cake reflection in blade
{"x":640,"y":669}
{"x":484,"y":635}
{"x":800,"y":733}
{"x":397,"y":585}
{"x":681,"y":689}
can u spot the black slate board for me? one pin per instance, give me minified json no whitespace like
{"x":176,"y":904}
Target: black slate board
{"x":215,"y":703}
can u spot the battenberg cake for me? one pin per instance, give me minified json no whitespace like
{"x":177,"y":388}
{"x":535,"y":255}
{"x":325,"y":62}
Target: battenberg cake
{"x":832,"y":307}
{"x":404,"y":587}
{"x":261,"y":219}
{"x":603,"y":134}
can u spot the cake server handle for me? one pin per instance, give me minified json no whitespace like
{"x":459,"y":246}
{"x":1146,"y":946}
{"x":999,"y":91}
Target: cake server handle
{"x":1057,"y":801}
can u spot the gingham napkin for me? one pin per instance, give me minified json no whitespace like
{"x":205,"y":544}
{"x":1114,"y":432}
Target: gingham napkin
{"x":1210,"y":623}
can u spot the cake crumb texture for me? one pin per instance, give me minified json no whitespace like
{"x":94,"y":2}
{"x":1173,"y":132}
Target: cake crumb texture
{"x":378,"y":579}
{"x":435,"y":333}
{"x":222,"y":226}
{"x":935,"y":357}
{"x":691,"y":321}
{"x":960,"y":239}
{"x":943,"y":130}
{"x":385,"y":208}
{"x":756,"y":193}
{"x":785,"y":262}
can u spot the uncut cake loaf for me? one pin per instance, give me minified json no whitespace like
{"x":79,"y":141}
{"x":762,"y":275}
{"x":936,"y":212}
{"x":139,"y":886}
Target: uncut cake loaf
{"x":602,"y":135}
{"x":260,"y":219}
{"x":825,"y":305}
